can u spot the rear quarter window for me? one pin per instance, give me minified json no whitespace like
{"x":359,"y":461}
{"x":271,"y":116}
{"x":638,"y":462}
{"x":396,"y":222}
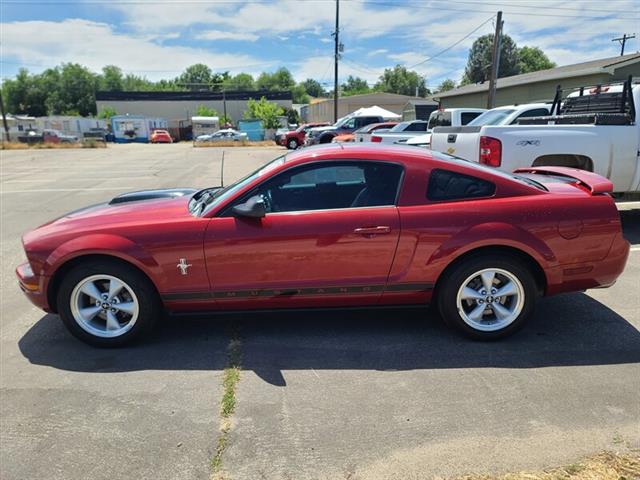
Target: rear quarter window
{"x":447,"y":185}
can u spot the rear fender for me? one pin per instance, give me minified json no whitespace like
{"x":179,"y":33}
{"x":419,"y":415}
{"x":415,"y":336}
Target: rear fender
{"x":494,"y":234}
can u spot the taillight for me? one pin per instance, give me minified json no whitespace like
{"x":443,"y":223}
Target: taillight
{"x":376,"y":138}
{"x":490,"y":151}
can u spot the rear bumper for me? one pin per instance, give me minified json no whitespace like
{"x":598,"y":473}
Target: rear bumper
{"x":600,"y":274}
{"x":33,"y":286}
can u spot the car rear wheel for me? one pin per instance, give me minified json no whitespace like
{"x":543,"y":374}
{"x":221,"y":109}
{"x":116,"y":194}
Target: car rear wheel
{"x":292,"y":144}
{"x":107,"y":304}
{"x":487,"y":297}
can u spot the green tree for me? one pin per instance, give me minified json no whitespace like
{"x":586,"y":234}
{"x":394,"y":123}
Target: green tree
{"x":265,"y":111}
{"x":72,"y":90}
{"x":204,"y":111}
{"x":241,"y":81}
{"x":478,"y":67}
{"x":111,"y":79}
{"x":299,"y":94}
{"x":314,"y":88}
{"x":532,"y":59}
{"x":292,"y":116}
{"x":446,"y":85}
{"x":281,"y":79}
{"x":135,"y":83}
{"x":196,"y":77}
{"x":25,"y":93}
{"x":402,"y":81}
{"x":355,"y":86}
{"x":107,"y":112}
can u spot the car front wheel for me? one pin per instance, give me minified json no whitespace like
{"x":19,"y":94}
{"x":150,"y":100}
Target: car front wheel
{"x":107,"y":304}
{"x":487,"y":297}
{"x":292,"y":144}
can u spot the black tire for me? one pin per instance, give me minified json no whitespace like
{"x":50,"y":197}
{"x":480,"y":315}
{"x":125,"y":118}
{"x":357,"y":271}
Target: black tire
{"x":326,"y":139}
{"x":149,"y":307}
{"x":456,"y":276}
{"x":292,"y":144}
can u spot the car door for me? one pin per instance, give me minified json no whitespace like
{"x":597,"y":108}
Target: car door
{"x":328,"y":238}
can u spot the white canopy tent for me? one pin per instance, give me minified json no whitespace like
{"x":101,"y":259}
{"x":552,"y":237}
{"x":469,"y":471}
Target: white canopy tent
{"x":375,"y":111}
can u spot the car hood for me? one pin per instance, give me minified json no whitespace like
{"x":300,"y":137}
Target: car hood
{"x":126,"y":210}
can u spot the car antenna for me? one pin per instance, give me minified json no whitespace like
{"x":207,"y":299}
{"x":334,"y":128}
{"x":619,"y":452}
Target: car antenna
{"x":222,"y":170}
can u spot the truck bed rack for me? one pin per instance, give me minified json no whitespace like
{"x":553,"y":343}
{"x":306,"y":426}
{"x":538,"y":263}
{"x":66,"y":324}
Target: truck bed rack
{"x":580,"y":119}
{"x":599,"y":107}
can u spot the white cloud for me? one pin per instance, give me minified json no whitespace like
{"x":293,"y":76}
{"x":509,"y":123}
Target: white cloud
{"x":96,"y":44}
{"x":321,"y":68}
{"x":222,"y":35}
{"x":379,"y":51}
{"x":273,"y":19}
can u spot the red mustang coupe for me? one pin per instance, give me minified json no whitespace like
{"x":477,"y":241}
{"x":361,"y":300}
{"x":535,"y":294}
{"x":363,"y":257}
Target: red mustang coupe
{"x":332,"y":226}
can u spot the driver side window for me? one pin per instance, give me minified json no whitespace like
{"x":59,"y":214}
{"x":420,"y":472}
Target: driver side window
{"x":331,"y":185}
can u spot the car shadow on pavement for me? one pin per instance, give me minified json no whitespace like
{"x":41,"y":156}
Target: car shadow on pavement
{"x":568,"y":330}
{"x":631,"y":225}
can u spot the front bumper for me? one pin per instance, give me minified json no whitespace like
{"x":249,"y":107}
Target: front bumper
{"x":33,"y":286}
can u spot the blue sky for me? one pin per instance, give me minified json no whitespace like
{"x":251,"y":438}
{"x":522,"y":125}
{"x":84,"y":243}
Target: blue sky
{"x":159,"y":38}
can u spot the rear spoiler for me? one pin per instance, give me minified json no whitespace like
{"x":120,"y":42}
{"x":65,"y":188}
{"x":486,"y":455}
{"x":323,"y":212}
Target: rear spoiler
{"x":592,"y":181}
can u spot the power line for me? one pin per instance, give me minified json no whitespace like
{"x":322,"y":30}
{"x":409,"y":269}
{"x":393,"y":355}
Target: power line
{"x":528,"y":14}
{"x":454,"y":44}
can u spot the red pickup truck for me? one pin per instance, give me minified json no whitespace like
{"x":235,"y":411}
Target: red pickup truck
{"x":295,"y":138}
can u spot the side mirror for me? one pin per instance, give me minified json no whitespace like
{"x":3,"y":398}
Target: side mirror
{"x":254,"y":208}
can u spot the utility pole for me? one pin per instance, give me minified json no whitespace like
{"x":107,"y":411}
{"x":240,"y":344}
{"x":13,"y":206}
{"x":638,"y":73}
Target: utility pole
{"x":495,"y":62}
{"x":622,"y":40}
{"x":4,"y":119}
{"x":335,"y":59}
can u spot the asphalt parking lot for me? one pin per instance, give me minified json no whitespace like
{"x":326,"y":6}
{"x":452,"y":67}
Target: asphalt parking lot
{"x":388,"y":394}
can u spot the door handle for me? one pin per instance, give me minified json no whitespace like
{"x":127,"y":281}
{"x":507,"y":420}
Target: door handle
{"x":371,"y":231}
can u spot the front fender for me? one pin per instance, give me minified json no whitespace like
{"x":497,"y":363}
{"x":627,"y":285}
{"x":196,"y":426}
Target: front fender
{"x":101,"y":244}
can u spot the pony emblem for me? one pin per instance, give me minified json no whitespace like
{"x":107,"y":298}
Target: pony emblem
{"x":183,"y":266}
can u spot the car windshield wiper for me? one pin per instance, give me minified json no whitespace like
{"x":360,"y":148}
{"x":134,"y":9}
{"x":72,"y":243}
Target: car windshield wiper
{"x":202,"y":198}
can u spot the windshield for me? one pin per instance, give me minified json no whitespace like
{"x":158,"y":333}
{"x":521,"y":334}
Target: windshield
{"x":492,"y":117}
{"x":204,"y":200}
{"x":400,"y":127}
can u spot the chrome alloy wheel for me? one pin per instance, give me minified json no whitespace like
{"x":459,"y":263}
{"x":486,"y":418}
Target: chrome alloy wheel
{"x":490,"y":299}
{"x":104,"y":306}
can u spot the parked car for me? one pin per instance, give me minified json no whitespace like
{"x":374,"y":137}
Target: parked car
{"x":594,"y":129}
{"x":446,"y":117}
{"x":56,"y":136}
{"x":402,"y":131}
{"x":373,"y":225}
{"x":160,"y":136}
{"x":225,"y":135}
{"x":364,"y":134}
{"x":295,"y":138}
{"x":347,"y":124}
{"x":469,"y":135}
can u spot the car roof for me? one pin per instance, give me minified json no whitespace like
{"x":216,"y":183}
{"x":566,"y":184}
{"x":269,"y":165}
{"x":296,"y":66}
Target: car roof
{"x":413,"y":158}
{"x":363,"y":151}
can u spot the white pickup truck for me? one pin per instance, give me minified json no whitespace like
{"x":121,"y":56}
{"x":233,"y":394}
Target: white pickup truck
{"x":448,"y":116}
{"x":438,"y":118}
{"x":596,"y":130}
{"x":469,"y":134}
